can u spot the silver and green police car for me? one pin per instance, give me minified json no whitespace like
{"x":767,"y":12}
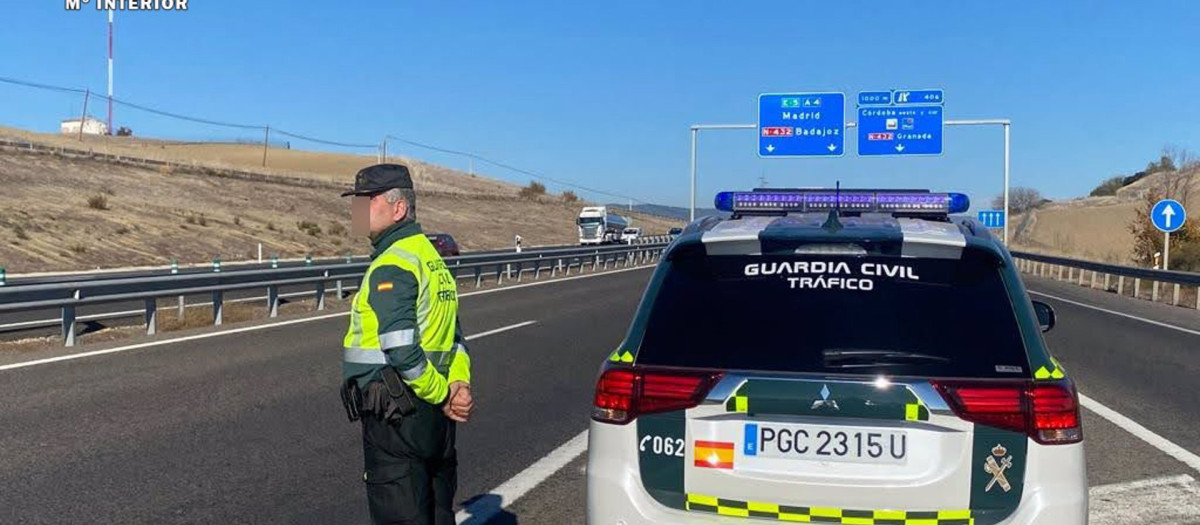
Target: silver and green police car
{"x":854,"y":357}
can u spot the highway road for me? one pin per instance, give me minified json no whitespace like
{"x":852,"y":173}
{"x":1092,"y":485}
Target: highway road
{"x":244,"y":426}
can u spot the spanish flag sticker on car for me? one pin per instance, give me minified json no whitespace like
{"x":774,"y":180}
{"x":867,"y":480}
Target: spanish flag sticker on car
{"x":383,"y":286}
{"x":713,"y":454}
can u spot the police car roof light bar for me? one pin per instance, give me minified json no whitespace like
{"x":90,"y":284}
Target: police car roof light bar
{"x":864,"y":201}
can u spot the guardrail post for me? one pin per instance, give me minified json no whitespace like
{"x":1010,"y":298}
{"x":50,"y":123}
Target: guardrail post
{"x":273,"y":301}
{"x":339,"y":289}
{"x":68,"y":323}
{"x":1120,"y":285}
{"x":151,"y":316}
{"x":537,"y":268}
{"x":1107,"y":281}
{"x":1175,"y":300}
{"x":1198,"y":298}
{"x":1093,"y":285}
{"x":218,"y":307}
{"x":1154,"y":294}
{"x":1137,"y":287}
{"x":478,"y":276}
{"x":1071,"y":274}
{"x":1081,"y":272}
{"x":499,"y":274}
{"x":321,"y":293}
{"x":1060,"y":268}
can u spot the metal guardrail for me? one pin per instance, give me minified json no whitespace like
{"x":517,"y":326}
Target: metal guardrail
{"x":1093,"y":273}
{"x":68,"y":297}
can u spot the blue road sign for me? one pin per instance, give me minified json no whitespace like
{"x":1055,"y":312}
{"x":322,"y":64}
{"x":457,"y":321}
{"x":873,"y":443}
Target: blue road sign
{"x":1168,"y":215}
{"x":991,"y":218}
{"x":900,"y":130}
{"x":917,"y":96}
{"x":801,"y":124}
{"x":875,"y":98}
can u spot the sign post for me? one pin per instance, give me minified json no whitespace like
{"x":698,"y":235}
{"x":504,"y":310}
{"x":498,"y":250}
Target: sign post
{"x":1168,"y":216}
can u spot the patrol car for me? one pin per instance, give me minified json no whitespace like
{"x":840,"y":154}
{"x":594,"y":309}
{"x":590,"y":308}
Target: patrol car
{"x":850,"y":356}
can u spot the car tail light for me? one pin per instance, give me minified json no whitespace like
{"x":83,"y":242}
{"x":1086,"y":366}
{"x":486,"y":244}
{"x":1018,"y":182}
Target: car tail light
{"x":624,"y":393}
{"x":1048,"y":412}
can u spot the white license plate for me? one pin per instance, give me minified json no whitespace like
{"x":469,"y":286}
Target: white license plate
{"x":825,"y":443}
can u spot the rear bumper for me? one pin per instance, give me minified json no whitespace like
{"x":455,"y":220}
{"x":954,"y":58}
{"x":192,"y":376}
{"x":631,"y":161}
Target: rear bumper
{"x":615,"y":495}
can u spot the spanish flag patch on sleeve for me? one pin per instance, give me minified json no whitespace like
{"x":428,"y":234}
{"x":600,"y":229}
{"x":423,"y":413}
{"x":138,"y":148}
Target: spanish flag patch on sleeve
{"x":383,"y":286}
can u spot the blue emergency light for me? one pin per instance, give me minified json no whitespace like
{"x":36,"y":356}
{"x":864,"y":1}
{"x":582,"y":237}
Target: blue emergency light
{"x":864,"y":201}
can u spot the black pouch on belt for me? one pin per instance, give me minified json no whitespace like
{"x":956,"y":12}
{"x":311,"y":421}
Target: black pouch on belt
{"x":401,"y":402}
{"x":352,"y":399}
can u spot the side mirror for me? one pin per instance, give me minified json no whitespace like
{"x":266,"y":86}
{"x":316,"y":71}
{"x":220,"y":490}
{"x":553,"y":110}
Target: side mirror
{"x":1045,"y":315}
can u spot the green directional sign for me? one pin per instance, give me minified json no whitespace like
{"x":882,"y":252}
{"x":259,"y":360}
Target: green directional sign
{"x":790,"y":102}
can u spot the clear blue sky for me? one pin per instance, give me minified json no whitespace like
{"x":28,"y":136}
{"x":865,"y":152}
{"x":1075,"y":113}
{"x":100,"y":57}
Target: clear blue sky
{"x":602,"y":93}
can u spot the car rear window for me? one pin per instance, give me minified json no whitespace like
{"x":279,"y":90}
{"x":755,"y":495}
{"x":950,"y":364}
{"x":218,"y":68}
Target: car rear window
{"x":836,"y":315}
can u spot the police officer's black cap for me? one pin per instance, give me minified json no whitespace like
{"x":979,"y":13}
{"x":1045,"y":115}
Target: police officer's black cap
{"x":379,"y":178}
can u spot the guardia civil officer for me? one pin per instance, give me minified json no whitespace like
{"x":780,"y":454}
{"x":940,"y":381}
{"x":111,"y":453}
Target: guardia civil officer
{"x":405,"y":366}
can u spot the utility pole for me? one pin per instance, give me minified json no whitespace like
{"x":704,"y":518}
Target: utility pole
{"x":83,"y":118}
{"x":266,"y":140}
{"x":110,"y":70}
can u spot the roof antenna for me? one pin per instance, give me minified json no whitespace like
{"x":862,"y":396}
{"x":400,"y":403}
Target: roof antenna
{"x":832,"y":224}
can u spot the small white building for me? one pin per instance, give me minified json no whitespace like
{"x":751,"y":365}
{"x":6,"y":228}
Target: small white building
{"x":91,"y":126}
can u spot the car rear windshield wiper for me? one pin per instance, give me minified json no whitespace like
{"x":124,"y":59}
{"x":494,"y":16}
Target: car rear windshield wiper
{"x":837,"y":358}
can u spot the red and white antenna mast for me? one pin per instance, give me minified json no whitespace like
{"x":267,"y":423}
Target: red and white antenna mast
{"x":110,"y":70}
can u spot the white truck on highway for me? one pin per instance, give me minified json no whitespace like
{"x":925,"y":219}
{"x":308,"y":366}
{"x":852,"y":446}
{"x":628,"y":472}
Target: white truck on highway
{"x":598,"y":226}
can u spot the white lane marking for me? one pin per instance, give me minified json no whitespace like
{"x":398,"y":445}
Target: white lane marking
{"x":495,"y":500}
{"x":1173,"y":499}
{"x":214,"y":334}
{"x":166,"y":342}
{"x":130,"y":313}
{"x":147,"y":344}
{"x":1122,"y":314}
{"x":499,"y":330}
{"x":1143,"y":433}
{"x":1117,"y":488}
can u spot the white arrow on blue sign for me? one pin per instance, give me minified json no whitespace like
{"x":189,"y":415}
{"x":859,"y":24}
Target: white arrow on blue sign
{"x":992,"y":218}
{"x":1168,"y":215}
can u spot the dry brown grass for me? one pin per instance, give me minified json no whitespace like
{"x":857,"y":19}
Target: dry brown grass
{"x":1092,"y":232}
{"x":333,"y":168}
{"x":45,"y":216}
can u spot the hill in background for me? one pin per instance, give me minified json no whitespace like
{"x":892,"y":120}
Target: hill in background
{"x":659,"y":210}
{"x":1092,"y":228}
{"x":69,"y":211}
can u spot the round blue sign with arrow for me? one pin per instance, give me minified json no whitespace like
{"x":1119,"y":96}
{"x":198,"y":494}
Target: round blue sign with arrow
{"x":1168,"y":215}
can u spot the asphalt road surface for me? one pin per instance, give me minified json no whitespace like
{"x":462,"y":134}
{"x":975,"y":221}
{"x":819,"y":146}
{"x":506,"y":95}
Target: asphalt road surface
{"x":244,"y":426}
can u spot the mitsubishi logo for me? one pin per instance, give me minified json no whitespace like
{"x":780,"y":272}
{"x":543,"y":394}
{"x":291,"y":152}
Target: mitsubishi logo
{"x":825,"y":402}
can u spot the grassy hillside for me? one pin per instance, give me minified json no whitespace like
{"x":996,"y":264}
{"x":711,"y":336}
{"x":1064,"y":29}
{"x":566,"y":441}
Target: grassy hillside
{"x":1093,"y":228}
{"x":69,"y":213}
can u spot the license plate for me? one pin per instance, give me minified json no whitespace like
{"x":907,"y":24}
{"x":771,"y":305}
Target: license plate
{"x":826,"y":443}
